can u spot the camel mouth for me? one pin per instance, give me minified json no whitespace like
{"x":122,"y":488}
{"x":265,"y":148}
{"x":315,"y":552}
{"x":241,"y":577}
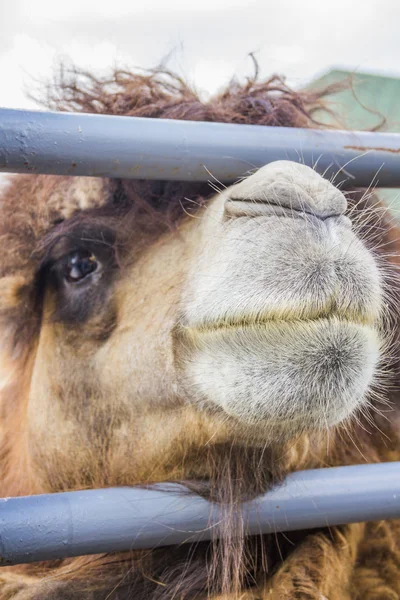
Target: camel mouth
{"x":234,"y":323}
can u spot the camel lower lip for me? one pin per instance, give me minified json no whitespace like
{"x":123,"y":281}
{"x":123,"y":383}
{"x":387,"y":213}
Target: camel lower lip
{"x":315,"y":371}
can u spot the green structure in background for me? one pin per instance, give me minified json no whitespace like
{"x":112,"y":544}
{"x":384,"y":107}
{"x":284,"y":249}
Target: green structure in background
{"x":369,"y":102}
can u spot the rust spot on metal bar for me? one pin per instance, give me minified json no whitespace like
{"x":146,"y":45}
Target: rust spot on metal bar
{"x":377,"y":149}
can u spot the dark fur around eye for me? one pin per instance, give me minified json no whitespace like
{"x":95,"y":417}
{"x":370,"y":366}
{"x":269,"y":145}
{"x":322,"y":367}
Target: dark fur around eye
{"x":79,"y":269}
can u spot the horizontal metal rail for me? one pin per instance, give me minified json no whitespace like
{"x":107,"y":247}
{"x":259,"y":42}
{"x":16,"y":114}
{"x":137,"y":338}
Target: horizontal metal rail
{"x":94,"y":521}
{"x":139,"y":148}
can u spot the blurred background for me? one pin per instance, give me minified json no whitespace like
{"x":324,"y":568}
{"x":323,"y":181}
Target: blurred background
{"x":311,"y":43}
{"x":207,"y":41}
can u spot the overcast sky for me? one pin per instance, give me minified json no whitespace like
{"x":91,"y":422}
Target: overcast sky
{"x":208,"y":40}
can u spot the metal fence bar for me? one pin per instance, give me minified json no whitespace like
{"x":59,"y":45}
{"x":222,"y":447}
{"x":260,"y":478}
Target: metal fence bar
{"x":138,"y":148}
{"x":95,"y":521}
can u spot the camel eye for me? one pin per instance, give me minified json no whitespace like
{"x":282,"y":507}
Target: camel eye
{"x":79,"y":265}
{"x":78,"y":273}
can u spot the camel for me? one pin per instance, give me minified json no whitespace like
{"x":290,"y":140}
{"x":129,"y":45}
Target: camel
{"x":217,"y":336}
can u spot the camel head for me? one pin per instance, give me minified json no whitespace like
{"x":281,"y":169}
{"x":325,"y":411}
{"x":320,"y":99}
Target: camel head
{"x":254,"y":321}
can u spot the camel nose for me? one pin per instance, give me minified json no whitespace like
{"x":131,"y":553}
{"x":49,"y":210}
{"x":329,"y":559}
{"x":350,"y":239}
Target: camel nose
{"x":285,"y":188}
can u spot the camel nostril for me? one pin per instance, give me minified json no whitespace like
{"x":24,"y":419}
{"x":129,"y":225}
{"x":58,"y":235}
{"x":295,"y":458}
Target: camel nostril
{"x":285,"y":188}
{"x":250,"y":208}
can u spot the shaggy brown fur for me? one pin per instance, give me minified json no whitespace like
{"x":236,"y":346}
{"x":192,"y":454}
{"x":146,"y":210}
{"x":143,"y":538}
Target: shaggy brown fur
{"x":360,"y":561}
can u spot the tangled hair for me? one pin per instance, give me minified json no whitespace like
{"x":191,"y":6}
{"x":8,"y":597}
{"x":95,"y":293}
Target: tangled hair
{"x":162,"y":94}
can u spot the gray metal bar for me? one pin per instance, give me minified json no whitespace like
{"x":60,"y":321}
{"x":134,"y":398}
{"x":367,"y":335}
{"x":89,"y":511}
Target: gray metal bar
{"x":137,"y":148}
{"x":95,"y":521}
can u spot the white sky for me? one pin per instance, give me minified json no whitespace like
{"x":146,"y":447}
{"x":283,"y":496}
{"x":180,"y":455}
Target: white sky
{"x":208,"y":41}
